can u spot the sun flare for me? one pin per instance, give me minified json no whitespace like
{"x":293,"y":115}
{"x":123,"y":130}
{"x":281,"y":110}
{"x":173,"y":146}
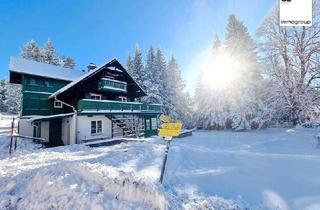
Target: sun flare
{"x":219,"y":72}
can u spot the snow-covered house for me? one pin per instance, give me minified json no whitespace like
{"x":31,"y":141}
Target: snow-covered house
{"x":66,"y":106}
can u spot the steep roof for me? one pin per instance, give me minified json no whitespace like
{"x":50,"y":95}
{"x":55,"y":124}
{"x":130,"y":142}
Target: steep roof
{"x":112,"y":65}
{"x":24,"y":66}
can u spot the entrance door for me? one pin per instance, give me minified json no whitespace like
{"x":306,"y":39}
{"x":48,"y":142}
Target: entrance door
{"x":55,"y":133}
{"x":151,"y":127}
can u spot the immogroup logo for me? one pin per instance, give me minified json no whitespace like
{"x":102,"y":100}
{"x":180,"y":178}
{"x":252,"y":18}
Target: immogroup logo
{"x":295,"y":12}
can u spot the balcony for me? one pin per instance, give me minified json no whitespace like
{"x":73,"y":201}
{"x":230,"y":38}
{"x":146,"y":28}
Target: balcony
{"x":106,"y":106}
{"x":110,"y":85}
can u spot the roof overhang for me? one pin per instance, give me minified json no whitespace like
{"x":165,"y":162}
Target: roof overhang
{"x":49,"y":117}
{"x":113,"y":65}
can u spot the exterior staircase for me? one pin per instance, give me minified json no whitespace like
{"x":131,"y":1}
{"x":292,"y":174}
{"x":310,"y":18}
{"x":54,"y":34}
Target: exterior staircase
{"x":127,"y":126}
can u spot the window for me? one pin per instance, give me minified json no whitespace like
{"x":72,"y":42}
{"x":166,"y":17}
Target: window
{"x":32,"y":82}
{"x":147,"y":124}
{"x":96,"y":127}
{"x":95,"y":96}
{"x":154,"y":125}
{"x":47,"y":84}
{"x":57,"y":104}
{"x":123,"y":98}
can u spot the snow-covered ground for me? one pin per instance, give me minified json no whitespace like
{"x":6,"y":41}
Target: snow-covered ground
{"x":5,"y":122}
{"x":266,"y":169}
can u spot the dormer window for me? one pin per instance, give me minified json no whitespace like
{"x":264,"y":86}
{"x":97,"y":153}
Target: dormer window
{"x":95,"y":96}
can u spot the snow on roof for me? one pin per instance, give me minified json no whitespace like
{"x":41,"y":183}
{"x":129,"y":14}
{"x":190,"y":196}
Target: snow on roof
{"x":24,"y":66}
{"x":77,"y":80}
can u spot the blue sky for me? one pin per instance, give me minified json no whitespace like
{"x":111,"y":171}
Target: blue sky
{"x":96,"y":30}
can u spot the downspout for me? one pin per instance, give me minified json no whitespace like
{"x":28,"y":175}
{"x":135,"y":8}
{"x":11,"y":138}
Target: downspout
{"x":75,"y":115}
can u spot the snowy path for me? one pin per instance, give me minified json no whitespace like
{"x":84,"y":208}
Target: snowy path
{"x":273,"y":168}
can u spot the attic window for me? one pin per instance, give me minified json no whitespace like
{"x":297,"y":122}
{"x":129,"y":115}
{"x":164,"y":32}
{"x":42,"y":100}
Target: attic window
{"x":47,"y":84}
{"x":123,"y":98}
{"x":57,"y":104}
{"x":32,"y":82}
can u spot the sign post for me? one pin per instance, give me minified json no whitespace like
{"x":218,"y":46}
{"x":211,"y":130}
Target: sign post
{"x":168,"y":130}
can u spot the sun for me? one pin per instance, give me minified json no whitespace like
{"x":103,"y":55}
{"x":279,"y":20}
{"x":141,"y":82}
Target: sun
{"x":219,"y":72}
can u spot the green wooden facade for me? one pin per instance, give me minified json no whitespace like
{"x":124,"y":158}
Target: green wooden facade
{"x":35,"y":93}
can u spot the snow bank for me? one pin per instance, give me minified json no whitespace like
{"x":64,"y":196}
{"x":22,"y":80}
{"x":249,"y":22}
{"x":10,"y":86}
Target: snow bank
{"x":124,"y":176}
{"x":23,"y":146}
{"x":79,"y":186}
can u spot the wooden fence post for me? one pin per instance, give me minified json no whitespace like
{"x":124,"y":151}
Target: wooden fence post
{"x":164,"y":160}
{"x":11,"y":136}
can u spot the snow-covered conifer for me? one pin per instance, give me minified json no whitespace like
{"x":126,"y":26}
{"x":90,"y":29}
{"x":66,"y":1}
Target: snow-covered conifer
{"x":31,"y":51}
{"x":68,"y":62}
{"x":48,"y":54}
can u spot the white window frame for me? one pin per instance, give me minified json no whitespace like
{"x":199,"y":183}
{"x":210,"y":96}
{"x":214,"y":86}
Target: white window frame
{"x":96,"y":96}
{"x":97,"y":129}
{"x":57,"y":104}
{"x":154,"y":124}
{"x":123,"y":98}
{"x":148,"y":126}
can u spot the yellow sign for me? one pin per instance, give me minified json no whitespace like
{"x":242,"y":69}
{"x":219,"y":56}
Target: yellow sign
{"x":168,"y":128}
{"x":165,"y":118}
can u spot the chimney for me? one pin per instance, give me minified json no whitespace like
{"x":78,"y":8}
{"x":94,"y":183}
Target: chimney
{"x":91,"y":66}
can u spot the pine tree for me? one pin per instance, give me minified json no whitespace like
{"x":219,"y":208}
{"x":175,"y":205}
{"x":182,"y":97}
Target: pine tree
{"x":130,"y":65}
{"x":151,"y":64}
{"x":14,"y":96}
{"x":138,"y":72}
{"x":160,"y":78}
{"x":211,"y":104}
{"x":48,"y":54}
{"x":176,"y":97}
{"x":67,"y":62}
{"x":217,"y":45}
{"x":152,"y":80}
{"x":241,"y":48}
{"x":31,"y":51}
{"x":10,"y":97}
{"x":3,"y":95}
